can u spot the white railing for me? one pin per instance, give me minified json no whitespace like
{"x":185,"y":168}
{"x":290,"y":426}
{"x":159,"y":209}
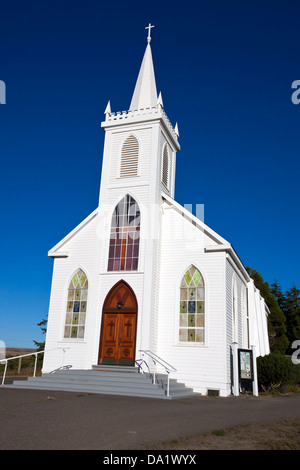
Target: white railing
{"x":134,"y":113}
{"x":158,"y":360}
{"x":5,"y":361}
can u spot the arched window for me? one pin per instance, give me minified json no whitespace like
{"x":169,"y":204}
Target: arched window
{"x":192,"y":307}
{"x":165,"y":166}
{"x":129,"y":157}
{"x":124,"y":236}
{"x":234,"y":312}
{"x":76,"y":306}
{"x":245,"y":317}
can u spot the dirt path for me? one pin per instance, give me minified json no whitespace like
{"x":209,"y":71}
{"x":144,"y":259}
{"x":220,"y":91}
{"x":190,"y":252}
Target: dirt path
{"x":283,"y":435}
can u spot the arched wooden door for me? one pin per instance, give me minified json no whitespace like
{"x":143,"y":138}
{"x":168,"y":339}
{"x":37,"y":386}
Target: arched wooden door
{"x":118,"y":328}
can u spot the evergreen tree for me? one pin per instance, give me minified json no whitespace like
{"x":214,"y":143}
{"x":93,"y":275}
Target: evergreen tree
{"x":277,"y":291}
{"x":276,"y":320}
{"x":42,"y":325}
{"x":292,"y":314}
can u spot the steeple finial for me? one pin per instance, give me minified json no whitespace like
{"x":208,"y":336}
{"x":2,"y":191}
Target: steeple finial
{"x":149,"y":32}
{"x":159,"y":100}
{"x":107,"y":109}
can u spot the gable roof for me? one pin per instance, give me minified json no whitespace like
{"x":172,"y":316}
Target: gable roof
{"x":220,"y":244}
{"x":199,"y":223}
{"x":56,"y":251}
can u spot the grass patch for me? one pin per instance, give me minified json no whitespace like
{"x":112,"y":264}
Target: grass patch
{"x":219,"y":432}
{"x":282,"y":435}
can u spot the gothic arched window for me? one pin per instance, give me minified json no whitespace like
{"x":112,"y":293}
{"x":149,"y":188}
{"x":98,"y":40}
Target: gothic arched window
{"x":234,"y":312}
{"x":165,"y":166}
{"x":124,"y":236}
{"x":76,"y":306}
{"x":192,"y":307}
{"x":129,"y":157}
{"x":245,"y":317}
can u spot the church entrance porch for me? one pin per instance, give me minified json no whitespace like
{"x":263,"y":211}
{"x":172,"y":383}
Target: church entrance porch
{"x":118,"y":329}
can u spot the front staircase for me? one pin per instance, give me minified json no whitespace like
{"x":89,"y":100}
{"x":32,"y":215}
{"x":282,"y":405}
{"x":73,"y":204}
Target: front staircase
{"x":109,"y":380}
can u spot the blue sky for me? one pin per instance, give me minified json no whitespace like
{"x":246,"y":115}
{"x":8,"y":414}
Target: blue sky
{"x":225,"y":71}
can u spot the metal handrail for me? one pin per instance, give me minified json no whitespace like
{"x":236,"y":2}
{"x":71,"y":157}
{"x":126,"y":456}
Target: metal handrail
{"x":139,"y":363}
{"x":156,"y":359}
{"x":30,"y":354}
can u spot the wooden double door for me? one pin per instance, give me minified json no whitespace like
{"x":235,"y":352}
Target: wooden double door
{"x":118,"y":329}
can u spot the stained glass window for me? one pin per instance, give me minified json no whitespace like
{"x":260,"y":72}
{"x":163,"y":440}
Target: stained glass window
{"x":124,"y":236}
{"x":192,"y":307}
{"x":76,"y":306}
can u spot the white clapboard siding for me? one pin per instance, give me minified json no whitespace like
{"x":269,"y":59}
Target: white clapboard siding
{"x":198,"y":366}
{"x":81,"y":254}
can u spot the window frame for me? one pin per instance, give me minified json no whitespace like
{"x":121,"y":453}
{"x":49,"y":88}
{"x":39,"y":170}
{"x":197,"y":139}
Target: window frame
{"x":198,"y":344}
{"x":65,"y":312}
{"x":109,"y":245}
{"x":168,"y":171}
{"x":235,"y":311}
{"x":131,"y":134}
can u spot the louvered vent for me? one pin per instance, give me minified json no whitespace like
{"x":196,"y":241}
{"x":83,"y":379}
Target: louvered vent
{"x":129,"y":157}
{"x":165,"y":167}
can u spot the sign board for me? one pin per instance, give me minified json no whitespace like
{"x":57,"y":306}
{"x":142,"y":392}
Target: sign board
{"x":245,"y":364}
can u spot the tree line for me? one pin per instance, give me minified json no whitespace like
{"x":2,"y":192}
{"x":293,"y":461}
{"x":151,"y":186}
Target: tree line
{"x":284,"y":318}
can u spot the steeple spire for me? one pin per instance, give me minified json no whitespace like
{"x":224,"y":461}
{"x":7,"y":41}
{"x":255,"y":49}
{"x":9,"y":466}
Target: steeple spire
{"x":145,"y":94}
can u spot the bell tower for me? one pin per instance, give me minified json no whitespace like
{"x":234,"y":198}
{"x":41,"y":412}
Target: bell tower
{"x":141,"y":143}
{"x":138,"y":165}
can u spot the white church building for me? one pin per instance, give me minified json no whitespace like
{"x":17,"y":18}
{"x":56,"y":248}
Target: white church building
{"x":141,"y":275}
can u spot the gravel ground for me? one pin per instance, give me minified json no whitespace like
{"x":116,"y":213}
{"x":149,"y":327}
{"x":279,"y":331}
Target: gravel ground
{"x":52,"y":420}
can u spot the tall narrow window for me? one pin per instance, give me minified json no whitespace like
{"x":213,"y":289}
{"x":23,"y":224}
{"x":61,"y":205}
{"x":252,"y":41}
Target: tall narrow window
{"x":234,"y":312}
{"x":129,"y":157}
{"x":192,"y":299}
{"x":165,"y":167}
{"x":245,"y":317}
{"x":124,"y":236}
{"x":76,"y":306}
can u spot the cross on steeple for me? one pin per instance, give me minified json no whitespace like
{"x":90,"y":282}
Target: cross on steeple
{"x":149,"y":32}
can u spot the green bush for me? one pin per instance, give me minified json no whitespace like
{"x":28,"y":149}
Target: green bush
{"x":275,"y":370}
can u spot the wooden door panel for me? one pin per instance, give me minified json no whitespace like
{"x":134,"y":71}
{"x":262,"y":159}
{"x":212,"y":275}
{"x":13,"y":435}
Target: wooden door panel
{"x":110,"y":327}
{"x":127,"y":330}
{"x":118,"y":332}
{"x":127,"y":327}
{"x":110,"y":337}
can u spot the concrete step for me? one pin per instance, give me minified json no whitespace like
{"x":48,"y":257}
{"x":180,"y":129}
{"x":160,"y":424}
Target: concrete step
{"x":97,"y":377}
{"x":149,"y":393}
{"x":106,"y":380}
{"x":109,"y":383}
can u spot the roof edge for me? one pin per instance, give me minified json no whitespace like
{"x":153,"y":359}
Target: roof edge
{"x":214,"y":235}
{"x":53,"y":252}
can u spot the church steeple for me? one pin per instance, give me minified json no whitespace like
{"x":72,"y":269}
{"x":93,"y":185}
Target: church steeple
{"x":136,"y":156}
{"x":145,"y":94}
